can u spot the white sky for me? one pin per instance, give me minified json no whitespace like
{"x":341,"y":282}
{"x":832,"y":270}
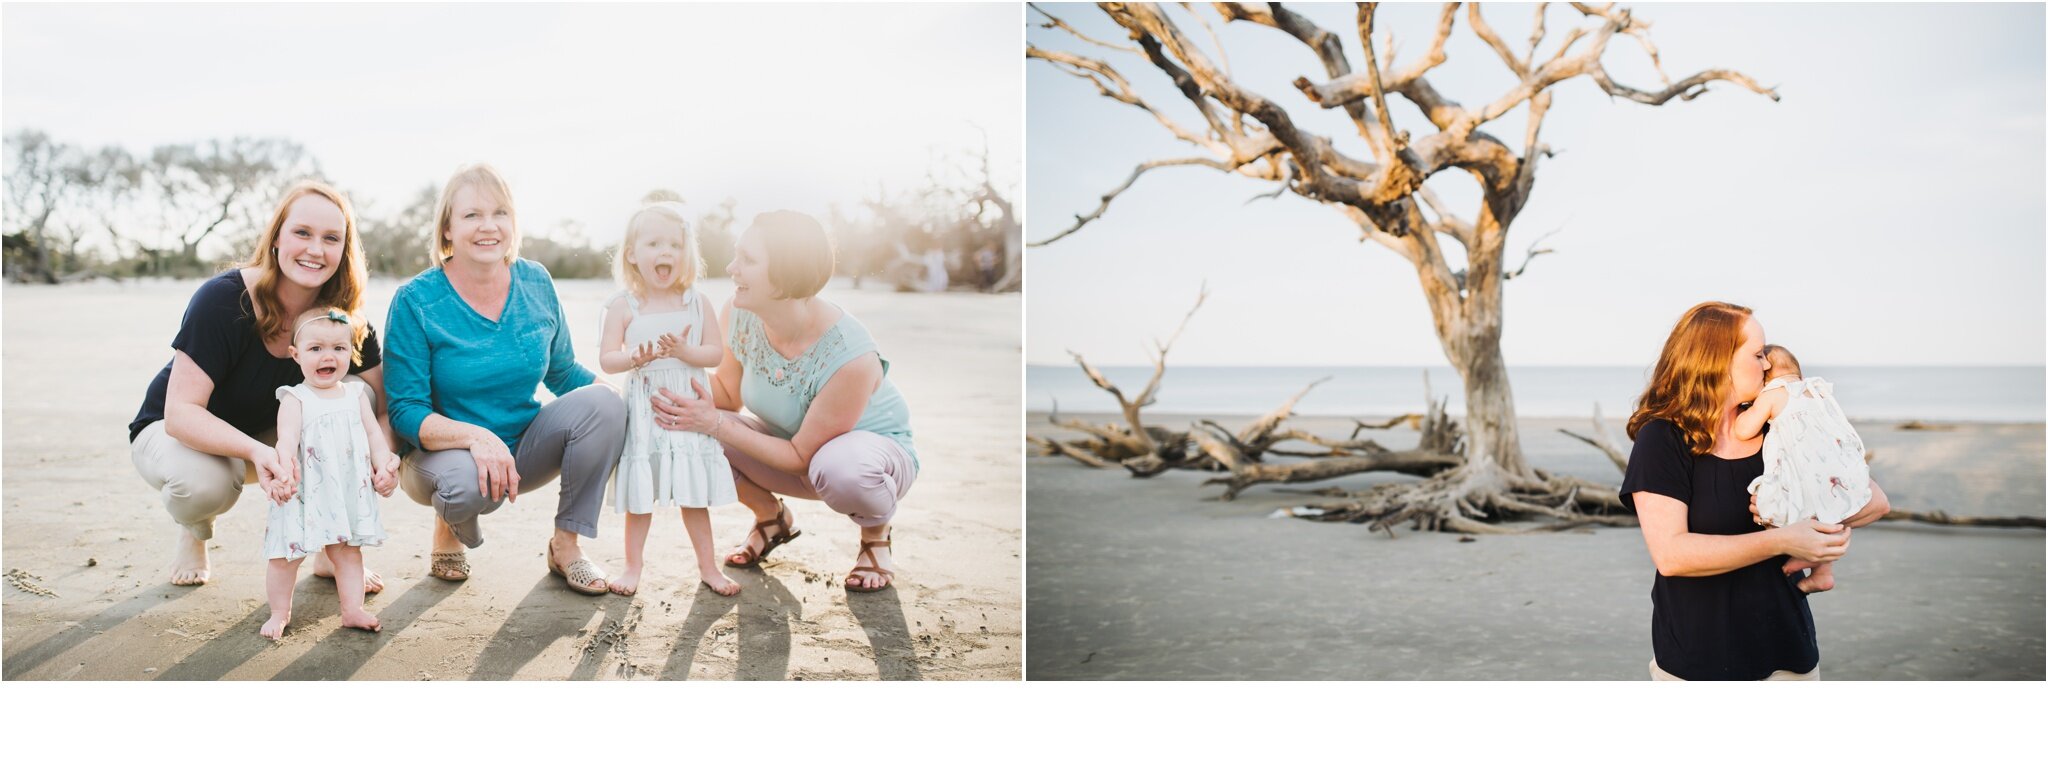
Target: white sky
{"x":585,"y":108}
{"x":1888,"y":211}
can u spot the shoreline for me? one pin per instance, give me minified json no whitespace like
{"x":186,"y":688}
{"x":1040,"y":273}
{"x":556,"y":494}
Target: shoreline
{"x":1153,"y":579}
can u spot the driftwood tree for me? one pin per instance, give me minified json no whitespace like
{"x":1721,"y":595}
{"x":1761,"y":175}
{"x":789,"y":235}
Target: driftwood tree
{"x":1387,"y":196}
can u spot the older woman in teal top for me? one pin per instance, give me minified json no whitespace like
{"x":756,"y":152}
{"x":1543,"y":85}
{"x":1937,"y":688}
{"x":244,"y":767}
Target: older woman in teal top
{"x":827,"y":424}
{"x":467,"y":345}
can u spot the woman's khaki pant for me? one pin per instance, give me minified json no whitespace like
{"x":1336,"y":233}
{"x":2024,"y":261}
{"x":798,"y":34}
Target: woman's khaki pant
{"x":196,"y":486}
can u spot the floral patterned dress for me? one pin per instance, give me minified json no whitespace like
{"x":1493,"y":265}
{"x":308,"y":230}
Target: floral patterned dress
{"x":335,"y":503}
{"x":1813,"y":459}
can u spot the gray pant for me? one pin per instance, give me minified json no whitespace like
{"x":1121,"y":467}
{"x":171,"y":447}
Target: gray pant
{"x":578,"y":437}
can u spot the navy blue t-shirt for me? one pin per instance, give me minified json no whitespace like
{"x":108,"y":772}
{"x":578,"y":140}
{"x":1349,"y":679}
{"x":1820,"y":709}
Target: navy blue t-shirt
{"x":219,"y":333}
{"x":1741,"y":625}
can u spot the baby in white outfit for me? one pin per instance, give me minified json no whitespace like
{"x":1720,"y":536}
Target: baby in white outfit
{"x":1814,"y":469}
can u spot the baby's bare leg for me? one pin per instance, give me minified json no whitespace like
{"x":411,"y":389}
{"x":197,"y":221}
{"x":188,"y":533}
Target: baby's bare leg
{"x":637,"y":528}
{"x":1821,"y":580}
{"x":697,"y":522}
{"x":348,"y":582}
{"x":278,"y":582}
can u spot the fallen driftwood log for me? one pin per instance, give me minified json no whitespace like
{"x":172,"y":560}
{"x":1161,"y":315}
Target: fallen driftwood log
{"x":1454,"y":494}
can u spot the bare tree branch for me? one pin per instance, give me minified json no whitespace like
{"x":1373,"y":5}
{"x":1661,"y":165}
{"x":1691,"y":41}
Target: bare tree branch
{"x":1056,"y":22}
{"x":1117,"y":88}
{"x":1082,"y":220}
{"x":1493,"y":41}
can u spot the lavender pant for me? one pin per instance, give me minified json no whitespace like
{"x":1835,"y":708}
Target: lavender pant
{"x":859,"y":474}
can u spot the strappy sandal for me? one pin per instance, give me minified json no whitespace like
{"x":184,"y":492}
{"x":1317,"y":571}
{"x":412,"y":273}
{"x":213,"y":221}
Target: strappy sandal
{"x":786,"y":532}
{"x":449,"y":566}
{"x":866,"y":550}
{"x":583,"y":576}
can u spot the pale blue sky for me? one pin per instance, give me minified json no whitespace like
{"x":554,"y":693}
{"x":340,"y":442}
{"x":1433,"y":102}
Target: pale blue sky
{"x":1888,"y":211}
{"x":585,"y":108}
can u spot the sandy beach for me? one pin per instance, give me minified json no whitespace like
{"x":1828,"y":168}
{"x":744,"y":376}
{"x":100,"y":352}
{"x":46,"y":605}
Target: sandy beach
{"x":87,"y":542}
{"x":1150,"y":579}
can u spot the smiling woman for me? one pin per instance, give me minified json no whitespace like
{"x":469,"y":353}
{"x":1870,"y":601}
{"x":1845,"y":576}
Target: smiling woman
{"x":472,"y":340}
{"x":207,"y":423}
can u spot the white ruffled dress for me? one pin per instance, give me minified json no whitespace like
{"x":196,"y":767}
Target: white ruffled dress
{"x":1813,"y":459}
{"x":335,"y":503}
{"x":665,"y":468}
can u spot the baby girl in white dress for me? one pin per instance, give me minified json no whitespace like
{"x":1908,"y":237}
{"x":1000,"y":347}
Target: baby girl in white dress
{"x":327,"y":430}
{"x":1814,"y":469}
{"x":661,"y":332}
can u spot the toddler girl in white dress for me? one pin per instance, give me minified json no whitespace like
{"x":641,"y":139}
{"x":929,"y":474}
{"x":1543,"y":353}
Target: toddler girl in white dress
{"x":660,"y":330}
{"x":328,"y":430}
{"x":1814,"y":469}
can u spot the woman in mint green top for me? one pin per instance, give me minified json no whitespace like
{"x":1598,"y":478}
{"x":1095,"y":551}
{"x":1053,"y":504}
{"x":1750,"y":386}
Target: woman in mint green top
{"x":826,"y":422}
{"x":468,"y":344}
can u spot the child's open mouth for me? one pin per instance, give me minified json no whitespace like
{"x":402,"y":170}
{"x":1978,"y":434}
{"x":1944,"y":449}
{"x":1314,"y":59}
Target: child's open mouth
{"x":663,"y":270}
{"x":326,"y":373}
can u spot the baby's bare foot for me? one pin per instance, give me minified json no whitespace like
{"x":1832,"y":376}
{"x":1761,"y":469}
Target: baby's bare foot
{"x":323,"y":568}
{"x":275,"y":628}
{"x":359,"y":618}
{"x":627,"y":583}
{"x":1821,"y":581}
{"x":190,"y":565}
{"x":719,"y":582}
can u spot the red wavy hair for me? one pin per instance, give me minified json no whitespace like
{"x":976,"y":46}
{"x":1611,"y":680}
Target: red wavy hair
{"x":1690,"y":384}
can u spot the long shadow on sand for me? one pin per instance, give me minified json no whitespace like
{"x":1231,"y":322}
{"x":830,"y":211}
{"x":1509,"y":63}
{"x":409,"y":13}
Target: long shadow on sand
{"x":343,"y":652}
{"x":766,"y":611}
{"x":881,"y":618}
{"x":548,"y":613}
{"x":18,"y":665}
{"x":706,"y":608}
{"x":314,"y":598}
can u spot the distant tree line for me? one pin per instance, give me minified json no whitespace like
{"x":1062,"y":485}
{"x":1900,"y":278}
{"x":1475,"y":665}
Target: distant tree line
{"x":190,"y":209}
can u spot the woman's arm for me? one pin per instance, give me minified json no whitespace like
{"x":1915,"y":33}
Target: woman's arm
{"x":833,"y":413}
{"x":1678,"y":552}
{"x":187,"y":419}
{"x":725,"y":381}
{"x":563,"y":374}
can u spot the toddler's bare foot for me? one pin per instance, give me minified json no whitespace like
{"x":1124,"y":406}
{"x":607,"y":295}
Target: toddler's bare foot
{"x":189,"y":566}
{"x":275,"y":628}
{"x":1820,"y":581}
{"x":360,"y":618}
{"x":323,"y":568}
{"x":627,"y":583}
{"x":719,"y":582}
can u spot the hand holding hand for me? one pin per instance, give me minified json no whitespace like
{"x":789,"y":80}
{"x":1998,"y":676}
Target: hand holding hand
{"x":276,"y":471}
{"x":384,"y":475}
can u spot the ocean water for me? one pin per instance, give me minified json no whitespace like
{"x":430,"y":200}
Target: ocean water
{"x":1985,"y":394}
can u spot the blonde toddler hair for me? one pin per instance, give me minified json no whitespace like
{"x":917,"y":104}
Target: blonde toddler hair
{"x":629,"y":275}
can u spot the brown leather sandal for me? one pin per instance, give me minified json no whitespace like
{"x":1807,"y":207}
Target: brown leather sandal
{"x":785,"y":532}
{"x":888,"y":576}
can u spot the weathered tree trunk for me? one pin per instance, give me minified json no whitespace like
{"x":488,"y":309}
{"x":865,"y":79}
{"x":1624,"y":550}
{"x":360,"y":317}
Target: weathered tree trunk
{"x":1492,"y":437}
